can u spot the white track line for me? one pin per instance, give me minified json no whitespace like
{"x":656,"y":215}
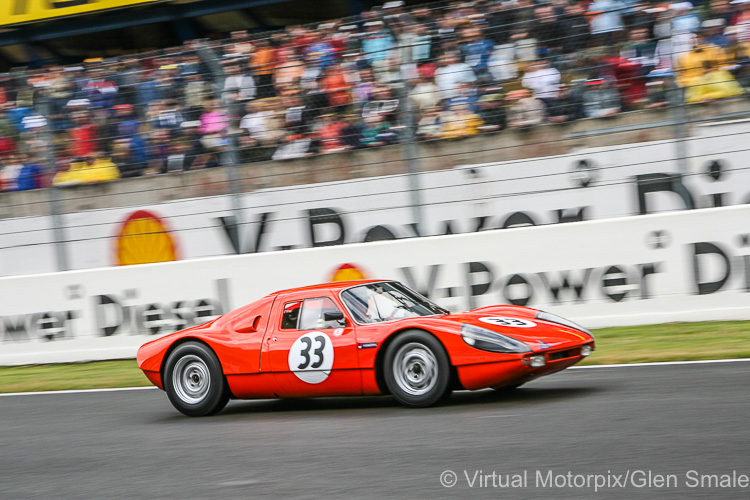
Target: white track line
{"x":663,"y":363}
{"x":78,"y":391}
{"x":625,"y":365}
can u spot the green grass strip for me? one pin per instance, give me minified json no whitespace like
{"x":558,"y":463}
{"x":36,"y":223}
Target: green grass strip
{"x":94,"y":375}
{"x":631,"y":344}
{"x":671,"y":342}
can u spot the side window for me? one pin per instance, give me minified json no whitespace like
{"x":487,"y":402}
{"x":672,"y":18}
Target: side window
{"x":290,"y":315}
{"x":312,"y":316}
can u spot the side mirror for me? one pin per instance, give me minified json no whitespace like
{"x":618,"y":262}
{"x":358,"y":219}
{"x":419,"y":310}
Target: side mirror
{"x":333,"y":316}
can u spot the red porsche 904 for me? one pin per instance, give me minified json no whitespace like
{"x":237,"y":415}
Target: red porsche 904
{"x":357,"y":338}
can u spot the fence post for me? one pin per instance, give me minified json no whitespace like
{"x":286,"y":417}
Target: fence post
{"x":409,"y":149}
{"x":680,"y":122}
{"x":232,"y":165}
{"x":55,"y":212}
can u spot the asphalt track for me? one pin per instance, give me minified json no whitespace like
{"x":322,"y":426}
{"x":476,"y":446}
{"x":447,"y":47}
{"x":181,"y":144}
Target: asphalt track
{"x":666,"y":420}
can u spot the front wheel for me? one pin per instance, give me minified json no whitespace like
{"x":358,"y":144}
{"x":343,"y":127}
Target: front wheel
{"x":417,"y":370}
{"x":194,"y":381}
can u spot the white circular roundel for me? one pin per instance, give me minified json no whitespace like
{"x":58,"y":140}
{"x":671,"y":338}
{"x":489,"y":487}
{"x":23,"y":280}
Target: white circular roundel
{"x":512,"y":322}
{"x":311,"y":357}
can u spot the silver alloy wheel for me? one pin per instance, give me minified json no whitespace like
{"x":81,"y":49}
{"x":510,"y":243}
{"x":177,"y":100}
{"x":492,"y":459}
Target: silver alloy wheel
{"x":415,"y":369}
{"x":191,"y":379}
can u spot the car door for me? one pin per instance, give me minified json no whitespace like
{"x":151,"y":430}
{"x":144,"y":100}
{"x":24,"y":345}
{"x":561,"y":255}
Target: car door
{"x":309,"y":354}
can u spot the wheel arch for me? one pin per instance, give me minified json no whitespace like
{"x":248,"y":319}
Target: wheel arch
{"x":380,"y":358}
{"x":184,"y":340}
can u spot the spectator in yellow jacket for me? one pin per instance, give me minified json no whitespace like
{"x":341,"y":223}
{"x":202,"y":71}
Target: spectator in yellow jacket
{"x":690,"y":65}
{"x":713,"y":84}
{"x":94,"y":169}
{"x":460,"y":121}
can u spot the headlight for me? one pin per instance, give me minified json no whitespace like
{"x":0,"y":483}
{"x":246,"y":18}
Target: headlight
{"x":537,"y":361}
{"x":487,"y":340}
{"x":554,"y":318}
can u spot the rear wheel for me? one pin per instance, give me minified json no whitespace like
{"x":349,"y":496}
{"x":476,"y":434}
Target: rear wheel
{"x":417,"y":369}
{"x":194,"y":381}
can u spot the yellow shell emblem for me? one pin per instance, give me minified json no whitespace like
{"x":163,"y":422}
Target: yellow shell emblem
{"x":144,"y":238}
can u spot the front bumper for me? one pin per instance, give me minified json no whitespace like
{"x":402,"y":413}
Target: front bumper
{"x":518,"y":371}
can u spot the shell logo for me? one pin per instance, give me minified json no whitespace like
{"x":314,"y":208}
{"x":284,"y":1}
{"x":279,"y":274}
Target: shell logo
{"x":144,"y":238}
{"x":348,"y":272}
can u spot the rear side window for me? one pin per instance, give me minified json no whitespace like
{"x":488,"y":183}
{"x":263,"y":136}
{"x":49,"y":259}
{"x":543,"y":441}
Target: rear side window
{"x":290,"y":316}
{"x":310,"y":315}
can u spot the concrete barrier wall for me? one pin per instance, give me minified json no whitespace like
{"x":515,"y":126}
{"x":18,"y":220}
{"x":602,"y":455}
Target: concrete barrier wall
{"x":679,"y":266}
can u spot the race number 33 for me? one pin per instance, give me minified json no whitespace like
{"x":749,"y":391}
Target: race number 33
{"x":512,"y":322}
{"x":311,"y":357}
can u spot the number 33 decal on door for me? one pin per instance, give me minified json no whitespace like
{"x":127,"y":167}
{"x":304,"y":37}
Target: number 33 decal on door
{"x":311,"y":357}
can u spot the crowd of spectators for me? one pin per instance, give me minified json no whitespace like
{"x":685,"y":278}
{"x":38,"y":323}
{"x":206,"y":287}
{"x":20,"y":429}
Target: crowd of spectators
{"x":464,"y":68}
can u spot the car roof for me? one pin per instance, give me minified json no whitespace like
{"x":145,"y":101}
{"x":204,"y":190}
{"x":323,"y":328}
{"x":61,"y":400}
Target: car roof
{"x":337,"y":285}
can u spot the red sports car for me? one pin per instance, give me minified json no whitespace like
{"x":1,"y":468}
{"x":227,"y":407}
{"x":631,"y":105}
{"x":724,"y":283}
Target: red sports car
{"x":357,"y":338}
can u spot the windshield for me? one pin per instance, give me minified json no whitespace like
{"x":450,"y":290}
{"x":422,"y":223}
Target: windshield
{"x":376,"y":302}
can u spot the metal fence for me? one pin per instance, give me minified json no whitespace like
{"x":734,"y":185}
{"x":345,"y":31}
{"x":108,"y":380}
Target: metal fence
{"x":395,"y":90}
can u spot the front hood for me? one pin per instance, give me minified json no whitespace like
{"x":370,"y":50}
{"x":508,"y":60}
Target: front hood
{"x":520,"y":323}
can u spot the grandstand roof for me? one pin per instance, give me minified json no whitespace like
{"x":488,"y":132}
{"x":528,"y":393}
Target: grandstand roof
{"x":131,"y":28}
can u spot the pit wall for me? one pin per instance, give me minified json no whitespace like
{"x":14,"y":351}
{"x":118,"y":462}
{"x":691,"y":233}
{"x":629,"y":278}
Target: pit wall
{"x":677,"y":266}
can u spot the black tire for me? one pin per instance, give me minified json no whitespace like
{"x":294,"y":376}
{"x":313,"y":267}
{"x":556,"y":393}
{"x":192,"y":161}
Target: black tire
{"x":416,"y":369}
{"x":194,"y":381}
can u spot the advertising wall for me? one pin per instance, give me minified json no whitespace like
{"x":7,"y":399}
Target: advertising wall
{"x":588,"y":184}
{"x":678,"y":266}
